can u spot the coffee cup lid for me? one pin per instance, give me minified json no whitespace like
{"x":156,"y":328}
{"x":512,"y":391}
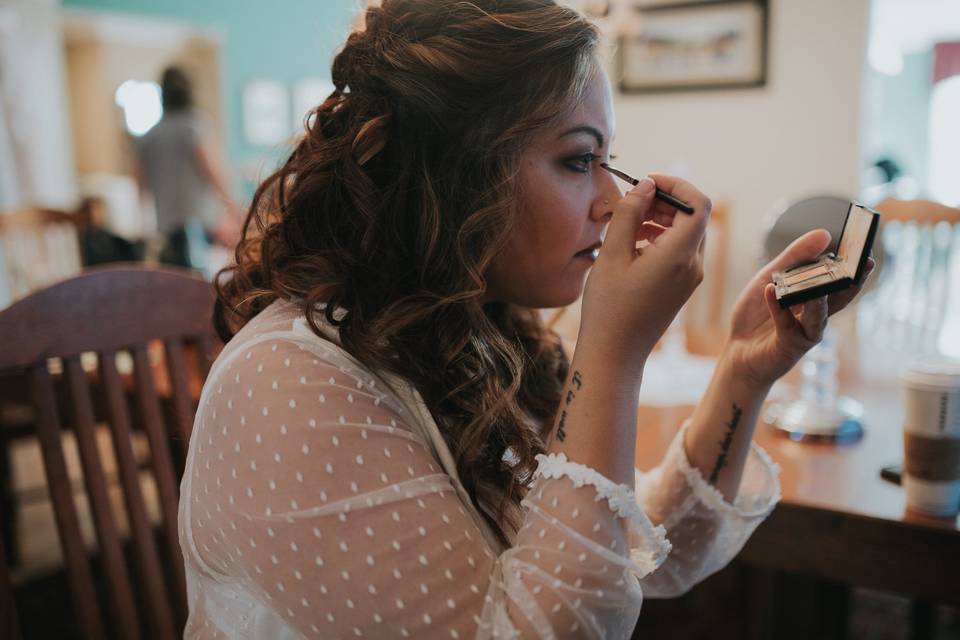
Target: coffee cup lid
{"x":940,"y":373}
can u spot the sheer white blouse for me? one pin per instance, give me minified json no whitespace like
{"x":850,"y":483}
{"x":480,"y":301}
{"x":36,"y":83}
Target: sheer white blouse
{"x":319,"y":501}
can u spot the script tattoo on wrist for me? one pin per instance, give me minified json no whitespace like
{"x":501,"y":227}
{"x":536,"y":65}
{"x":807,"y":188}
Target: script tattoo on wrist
{"x":577,"y":381}
{"x":726,"y":442}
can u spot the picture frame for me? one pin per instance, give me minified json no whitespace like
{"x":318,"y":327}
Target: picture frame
{"x":713,"y":44}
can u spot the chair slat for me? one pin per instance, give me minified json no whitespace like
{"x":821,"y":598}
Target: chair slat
{"x":167,"y":488}
{"x":206,"y":351}
{"x":64,"y":509}
{"x":115,"y":571}
{"x":158,"y":609}
{"x":112,"y":308}
{"x":180,"y":390}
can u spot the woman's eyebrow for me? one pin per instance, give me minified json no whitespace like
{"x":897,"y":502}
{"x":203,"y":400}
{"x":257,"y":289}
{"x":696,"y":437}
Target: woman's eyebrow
{"x":584,"y":129}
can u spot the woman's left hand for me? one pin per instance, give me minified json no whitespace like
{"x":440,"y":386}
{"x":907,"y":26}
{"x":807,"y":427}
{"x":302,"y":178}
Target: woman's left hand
{"x":766,"y":341}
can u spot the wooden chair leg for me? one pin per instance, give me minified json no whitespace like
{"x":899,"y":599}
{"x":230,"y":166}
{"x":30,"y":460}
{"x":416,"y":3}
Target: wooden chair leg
{"x":758,"y":601}
{"x":9,"y":626}
{"x":8,"y":506}
{"x":923,"y":620}
{"x":834,"y":608}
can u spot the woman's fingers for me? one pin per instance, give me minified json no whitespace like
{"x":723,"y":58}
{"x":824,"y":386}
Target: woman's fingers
{"x":687,"y":230}
{"x":803,"y":249}
{"x":839,"y":300}
{"x":649,"y":231}
{"x":813,"y":318}
{"x":809,"y":322}
{"x":783,"y":321}
{"x":628,"y":215}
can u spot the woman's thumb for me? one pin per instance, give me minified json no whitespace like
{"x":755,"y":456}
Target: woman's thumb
{"x":621,"y":236}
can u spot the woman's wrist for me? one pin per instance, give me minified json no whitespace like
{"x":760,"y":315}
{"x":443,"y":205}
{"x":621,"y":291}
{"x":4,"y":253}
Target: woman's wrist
{"x":615,"y":355}
{"x":747,"y":380}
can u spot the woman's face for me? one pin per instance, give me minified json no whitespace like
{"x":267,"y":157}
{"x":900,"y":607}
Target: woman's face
{"x":566,"y":200}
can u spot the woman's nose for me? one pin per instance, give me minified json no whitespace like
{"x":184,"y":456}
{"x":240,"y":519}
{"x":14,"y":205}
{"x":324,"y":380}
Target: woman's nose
{"x":607,"y":198}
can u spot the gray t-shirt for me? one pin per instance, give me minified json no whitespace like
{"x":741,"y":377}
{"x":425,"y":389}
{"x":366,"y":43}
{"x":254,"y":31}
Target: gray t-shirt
{"x":168,"y":159}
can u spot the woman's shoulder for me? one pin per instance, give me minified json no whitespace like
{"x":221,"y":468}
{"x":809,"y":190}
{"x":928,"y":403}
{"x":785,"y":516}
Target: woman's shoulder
{"x":278,"y":347}
{"x":284,"y":321}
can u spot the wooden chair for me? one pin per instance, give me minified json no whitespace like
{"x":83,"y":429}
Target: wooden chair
{"x":38,"y":247}
{"x":917,"y":288}
{"x":918,"y":211}
{"x":108,"y":311}
{"x":704,"y":324}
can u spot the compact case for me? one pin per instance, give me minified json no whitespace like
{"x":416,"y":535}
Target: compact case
{"x":832,"y":271}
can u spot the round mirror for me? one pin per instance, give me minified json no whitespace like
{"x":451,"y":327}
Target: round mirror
{"x":817,"y":212}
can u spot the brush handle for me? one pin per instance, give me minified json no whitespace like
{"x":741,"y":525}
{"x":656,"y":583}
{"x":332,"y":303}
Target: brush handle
{"x":662,"y":195}
{"x":679,"y":204}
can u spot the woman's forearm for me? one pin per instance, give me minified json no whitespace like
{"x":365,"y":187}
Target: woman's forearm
{"x":596,"y":423}
{"x":718,"y":438}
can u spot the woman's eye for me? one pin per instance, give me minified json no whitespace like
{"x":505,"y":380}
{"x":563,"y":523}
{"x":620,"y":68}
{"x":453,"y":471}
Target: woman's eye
{"x":582,"y":162}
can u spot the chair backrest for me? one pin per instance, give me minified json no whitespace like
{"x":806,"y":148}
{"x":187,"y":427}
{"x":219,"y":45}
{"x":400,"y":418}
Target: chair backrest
{"x":703,"y":316}
{"x":37,"y":247}
{"x":917,"y":297}
{"x":918,"y":211}
{"x":116,"y":313}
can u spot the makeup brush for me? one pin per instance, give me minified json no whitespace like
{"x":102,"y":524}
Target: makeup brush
{"x":662,"y":195}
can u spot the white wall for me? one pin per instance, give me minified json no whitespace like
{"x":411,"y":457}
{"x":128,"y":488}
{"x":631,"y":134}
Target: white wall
{"x":37,"y":139}
{"x":753,"y":148}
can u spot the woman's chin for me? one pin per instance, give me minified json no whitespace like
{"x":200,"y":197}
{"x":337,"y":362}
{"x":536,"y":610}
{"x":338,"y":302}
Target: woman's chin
{"x":553,"y":298}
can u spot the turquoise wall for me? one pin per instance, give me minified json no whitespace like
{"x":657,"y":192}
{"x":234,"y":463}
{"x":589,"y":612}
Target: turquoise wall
{"x":897,"y":113}
{"x":283,"y":40}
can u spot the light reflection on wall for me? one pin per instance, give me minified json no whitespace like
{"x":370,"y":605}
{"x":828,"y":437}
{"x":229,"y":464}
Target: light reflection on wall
{"x":141,"y":105}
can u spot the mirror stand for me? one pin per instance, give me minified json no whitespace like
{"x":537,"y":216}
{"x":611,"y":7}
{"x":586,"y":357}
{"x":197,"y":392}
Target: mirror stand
{"x":818,"y":413}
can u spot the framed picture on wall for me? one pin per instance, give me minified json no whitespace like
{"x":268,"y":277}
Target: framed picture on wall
{"x":716,"y":44}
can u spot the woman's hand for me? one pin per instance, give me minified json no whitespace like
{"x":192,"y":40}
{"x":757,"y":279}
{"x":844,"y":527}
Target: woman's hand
{"x":633,"y":294}
{"x":766,"y":341}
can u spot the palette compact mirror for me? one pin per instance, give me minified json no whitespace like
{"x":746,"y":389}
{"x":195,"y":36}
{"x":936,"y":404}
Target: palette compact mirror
{"x":831,"y":271}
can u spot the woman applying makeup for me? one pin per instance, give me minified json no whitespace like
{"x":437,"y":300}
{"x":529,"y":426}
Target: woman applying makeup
{"x":391,"y":444}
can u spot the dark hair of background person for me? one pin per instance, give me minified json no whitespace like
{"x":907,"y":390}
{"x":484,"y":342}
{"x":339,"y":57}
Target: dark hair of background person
{"x":395,"y":202}
{"x":891,"y":170}
{"x":176,"y":92}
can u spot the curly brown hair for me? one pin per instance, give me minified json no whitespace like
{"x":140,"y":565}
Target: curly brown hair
{"x":395,"y":202}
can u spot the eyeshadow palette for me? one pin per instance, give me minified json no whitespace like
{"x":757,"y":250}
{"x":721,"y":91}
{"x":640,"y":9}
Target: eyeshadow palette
{"x":831,"y":272}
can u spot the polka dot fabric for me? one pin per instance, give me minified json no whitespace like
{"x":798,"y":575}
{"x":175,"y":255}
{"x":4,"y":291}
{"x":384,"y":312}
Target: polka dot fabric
{"x":313,"y":506}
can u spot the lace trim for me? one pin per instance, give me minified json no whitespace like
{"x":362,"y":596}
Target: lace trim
{"x":649,"y":544}
{"x":743,"y":507}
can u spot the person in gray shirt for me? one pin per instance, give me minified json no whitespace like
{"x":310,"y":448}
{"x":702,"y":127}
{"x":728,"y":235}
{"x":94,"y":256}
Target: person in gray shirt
{"x":178,"y":166}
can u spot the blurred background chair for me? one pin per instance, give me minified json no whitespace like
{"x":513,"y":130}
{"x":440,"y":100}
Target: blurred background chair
{"x":113,"y":355}
{"x":915,"y":310}
{"x":704,"y":325}
{"x":38,"y":246}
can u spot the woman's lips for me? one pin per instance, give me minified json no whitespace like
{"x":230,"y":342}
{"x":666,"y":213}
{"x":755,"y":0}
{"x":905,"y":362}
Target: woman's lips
{"x":590,"y":252}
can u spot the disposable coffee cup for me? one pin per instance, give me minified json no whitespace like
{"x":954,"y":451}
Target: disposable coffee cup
{"x":931,"y":437}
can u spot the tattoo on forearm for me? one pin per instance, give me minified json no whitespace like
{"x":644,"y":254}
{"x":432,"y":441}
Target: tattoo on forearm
{"x":578,"y":381}
{"x":725,"y":443}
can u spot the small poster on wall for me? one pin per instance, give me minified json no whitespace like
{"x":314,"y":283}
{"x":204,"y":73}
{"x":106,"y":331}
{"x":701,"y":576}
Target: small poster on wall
{"x":704,"y":45}
{"x":307,"y":94}
{"x":266,"y":113}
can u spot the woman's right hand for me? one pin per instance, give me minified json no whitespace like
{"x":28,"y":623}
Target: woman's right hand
{"x":632,"y":295}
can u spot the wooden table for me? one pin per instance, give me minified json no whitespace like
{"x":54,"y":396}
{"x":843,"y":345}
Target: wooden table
{"x":838,"y":520}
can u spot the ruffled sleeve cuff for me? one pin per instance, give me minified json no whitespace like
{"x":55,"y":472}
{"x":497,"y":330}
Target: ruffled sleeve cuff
{"x":759,"y":488}
{"x":648,"y":544}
